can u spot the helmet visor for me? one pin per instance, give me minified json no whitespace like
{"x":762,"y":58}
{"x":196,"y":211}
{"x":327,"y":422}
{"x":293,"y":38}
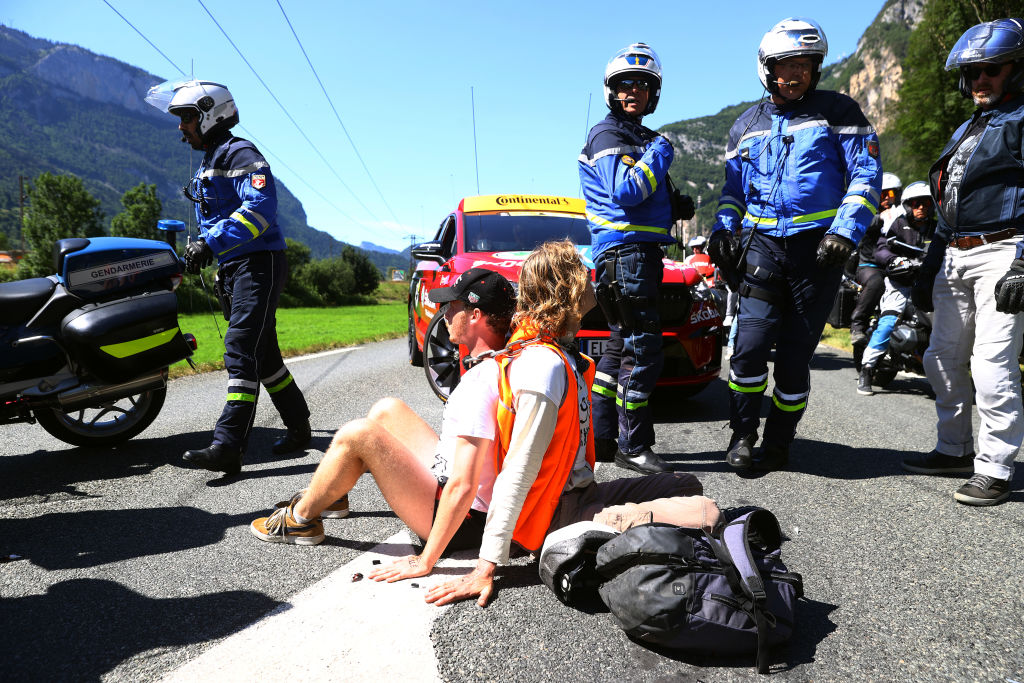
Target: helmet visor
{"x":160,"y":95}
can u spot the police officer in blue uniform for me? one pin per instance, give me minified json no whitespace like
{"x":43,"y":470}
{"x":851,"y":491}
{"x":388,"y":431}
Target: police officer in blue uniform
{"x":623,"y":171}
{"x":236,"y":209}
{"x":802,"y":180}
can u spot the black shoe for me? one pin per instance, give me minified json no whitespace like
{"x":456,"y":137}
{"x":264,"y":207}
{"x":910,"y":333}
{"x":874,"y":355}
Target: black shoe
{"x":983,"y":490}
{"x":939,"y":463}
{"x":216,"y":458}
{"x":864,"y":382}
{"x":605,"y":449}
{"x":741,"y":450}
{"x":645,"y":462}
{"x":295,"y":439}
{"x":770,"y":458}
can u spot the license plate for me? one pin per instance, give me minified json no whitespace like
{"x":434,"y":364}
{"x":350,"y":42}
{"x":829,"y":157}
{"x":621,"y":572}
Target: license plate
{"x":593,"y":347}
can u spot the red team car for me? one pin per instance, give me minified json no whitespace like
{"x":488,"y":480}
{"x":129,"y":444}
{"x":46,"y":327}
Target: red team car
{"x":498,"y":232}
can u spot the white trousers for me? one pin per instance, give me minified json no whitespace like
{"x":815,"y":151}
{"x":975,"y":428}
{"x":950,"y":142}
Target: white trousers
{"x":971,"y":339}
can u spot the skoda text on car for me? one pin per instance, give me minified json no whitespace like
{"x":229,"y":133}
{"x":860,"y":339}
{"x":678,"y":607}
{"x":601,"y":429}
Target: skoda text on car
{"x":498,"y":232}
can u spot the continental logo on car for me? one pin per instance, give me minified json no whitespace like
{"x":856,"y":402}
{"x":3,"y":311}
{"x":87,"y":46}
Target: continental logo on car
{"x":522,"y":202}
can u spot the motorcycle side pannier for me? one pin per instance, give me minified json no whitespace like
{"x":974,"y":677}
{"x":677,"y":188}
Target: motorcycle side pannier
{"x":121,"y":339}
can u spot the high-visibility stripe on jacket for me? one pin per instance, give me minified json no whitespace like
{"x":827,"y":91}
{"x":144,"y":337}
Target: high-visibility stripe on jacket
{"x":542,"y":499}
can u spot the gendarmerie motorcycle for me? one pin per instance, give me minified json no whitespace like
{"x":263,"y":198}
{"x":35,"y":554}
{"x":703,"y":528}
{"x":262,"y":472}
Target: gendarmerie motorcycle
{"x":85,"y":352}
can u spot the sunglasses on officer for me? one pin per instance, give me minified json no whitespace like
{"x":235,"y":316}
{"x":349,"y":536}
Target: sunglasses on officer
{"x":187,"y":115}
{"x":920,"y":203}
{"x":628,"y":84}
{"x":973,"y":73}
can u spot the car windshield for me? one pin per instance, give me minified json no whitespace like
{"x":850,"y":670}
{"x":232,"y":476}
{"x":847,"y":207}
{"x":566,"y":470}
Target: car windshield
{"x":522,"y":232}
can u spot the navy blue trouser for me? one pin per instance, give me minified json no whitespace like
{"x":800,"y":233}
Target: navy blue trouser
{"x":801,"y":296}
{"x":632,"y":361}
{"x":251,"y":353}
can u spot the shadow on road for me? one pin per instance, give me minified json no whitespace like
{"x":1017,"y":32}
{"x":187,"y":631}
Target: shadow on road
{"x":86,"y":627}
{"x":88,"y":538}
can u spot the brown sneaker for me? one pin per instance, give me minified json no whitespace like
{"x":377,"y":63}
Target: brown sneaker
{"x":281,"y":527}
{"x":336,"y":510}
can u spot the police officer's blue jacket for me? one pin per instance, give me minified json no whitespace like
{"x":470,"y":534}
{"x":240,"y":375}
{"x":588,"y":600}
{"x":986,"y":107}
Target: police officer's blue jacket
{"x":808,"y":165}
{"x":237,"y":211}
{"x":991,"y":194}
{"x":622,"y":173}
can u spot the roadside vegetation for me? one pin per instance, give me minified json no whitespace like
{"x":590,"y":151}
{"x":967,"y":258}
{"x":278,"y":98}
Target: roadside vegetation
{"x":306,"y":330}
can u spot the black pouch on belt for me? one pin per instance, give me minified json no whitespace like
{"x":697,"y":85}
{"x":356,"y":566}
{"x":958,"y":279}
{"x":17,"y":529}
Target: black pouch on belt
{"x":222,"y":296}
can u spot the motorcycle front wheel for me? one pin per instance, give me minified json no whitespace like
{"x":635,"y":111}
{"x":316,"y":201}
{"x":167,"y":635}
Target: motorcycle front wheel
{"x":107,"y":424}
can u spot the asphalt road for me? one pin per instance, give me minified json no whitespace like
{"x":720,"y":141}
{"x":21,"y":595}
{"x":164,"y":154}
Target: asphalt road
{"x":134,"y":566}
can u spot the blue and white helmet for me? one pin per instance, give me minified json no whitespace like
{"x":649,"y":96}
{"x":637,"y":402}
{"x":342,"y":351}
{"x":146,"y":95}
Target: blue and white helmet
{"x":636,"y":61}
{"x":793,"y":37}
{"x":993,"y":42}
{"x":211,"y":101}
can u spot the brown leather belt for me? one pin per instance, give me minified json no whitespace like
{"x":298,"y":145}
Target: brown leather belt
{"x":972,"y":241}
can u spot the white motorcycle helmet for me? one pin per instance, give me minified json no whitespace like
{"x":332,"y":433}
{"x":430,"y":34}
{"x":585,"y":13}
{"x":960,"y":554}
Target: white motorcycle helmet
{"x":915,"y":190}
{"x":211,"y":101}
{"x":891,"y":181}
{"x":793,"y":37}
{"x":636,"y":61}
{"x":698,"y":241}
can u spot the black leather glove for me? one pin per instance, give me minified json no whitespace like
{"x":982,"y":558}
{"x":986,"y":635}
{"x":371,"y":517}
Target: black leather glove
{"x":833,"y":250}
{"x":722,"y":249}
{"x":685,"y":207}
{"x":1010,"y":289}
{"x":921,"y":291}
{"x":198,"y":255}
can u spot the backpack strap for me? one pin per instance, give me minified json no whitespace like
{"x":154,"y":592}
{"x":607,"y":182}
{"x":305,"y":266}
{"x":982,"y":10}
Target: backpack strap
{"x":734,"y":550}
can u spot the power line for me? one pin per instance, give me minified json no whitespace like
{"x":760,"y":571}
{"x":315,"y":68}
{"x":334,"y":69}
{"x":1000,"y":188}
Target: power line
{"x":336,"y":115}
{"x":145,"y":38}
{"x":286,"y":113}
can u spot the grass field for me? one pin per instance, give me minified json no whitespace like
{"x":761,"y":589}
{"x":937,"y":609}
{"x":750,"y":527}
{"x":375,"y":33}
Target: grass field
{"x":306,"y":330}
{"x":839,"y":338}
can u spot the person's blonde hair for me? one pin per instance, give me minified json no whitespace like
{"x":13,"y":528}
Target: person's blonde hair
{"x":552,"y":283}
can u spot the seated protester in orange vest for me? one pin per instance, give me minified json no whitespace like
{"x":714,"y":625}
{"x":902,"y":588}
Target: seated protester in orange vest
{"x":545,"y":453}
{"x":439,"y":486}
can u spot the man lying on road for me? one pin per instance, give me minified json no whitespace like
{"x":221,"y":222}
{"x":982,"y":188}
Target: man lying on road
{"x":545,"y":449}
{"x":439,"y":486}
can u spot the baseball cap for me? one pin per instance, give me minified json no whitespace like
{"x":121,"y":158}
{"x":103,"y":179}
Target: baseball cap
{"x":481,"y":288}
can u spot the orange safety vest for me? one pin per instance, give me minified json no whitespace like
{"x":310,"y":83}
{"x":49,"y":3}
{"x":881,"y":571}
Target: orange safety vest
{"x":542,"y":499}
{"x":701,"y":263}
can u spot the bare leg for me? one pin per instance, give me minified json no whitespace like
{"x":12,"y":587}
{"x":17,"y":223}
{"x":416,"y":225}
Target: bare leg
{"x":405,"y":425}
{"x":402,"y":473}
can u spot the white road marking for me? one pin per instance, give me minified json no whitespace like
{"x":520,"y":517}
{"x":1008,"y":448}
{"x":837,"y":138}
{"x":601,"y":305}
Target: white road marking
{"x":338,"y":629}
{"x":321,"y":354}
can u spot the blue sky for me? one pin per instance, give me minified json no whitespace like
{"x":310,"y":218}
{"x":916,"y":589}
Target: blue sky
{"x":400,"y":76}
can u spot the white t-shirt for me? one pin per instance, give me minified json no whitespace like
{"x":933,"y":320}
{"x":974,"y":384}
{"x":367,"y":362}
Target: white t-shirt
{"x":541,"y":370}
{"x":472,"y":410}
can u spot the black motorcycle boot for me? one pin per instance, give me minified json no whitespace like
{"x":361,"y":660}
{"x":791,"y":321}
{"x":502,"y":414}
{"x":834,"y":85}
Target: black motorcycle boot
{"x":605,"y":449}
{"x":741,"y":450}
{"x":295,"y":439}
{"x":770,"y":458}
{"x":864,"y":381}
{"x":645,"y":461}
{"x":216,"y":458}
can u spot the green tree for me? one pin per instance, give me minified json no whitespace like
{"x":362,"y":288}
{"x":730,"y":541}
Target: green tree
{"x":297,"y":253}
{"x":330,"y":280}
{"x":142,"y":209}
{"x":930,"y":104}
{"x":59,"y":206}
{"x":366,"y":275}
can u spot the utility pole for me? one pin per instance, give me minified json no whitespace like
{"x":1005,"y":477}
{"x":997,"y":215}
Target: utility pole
{"x":21,"y":208}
